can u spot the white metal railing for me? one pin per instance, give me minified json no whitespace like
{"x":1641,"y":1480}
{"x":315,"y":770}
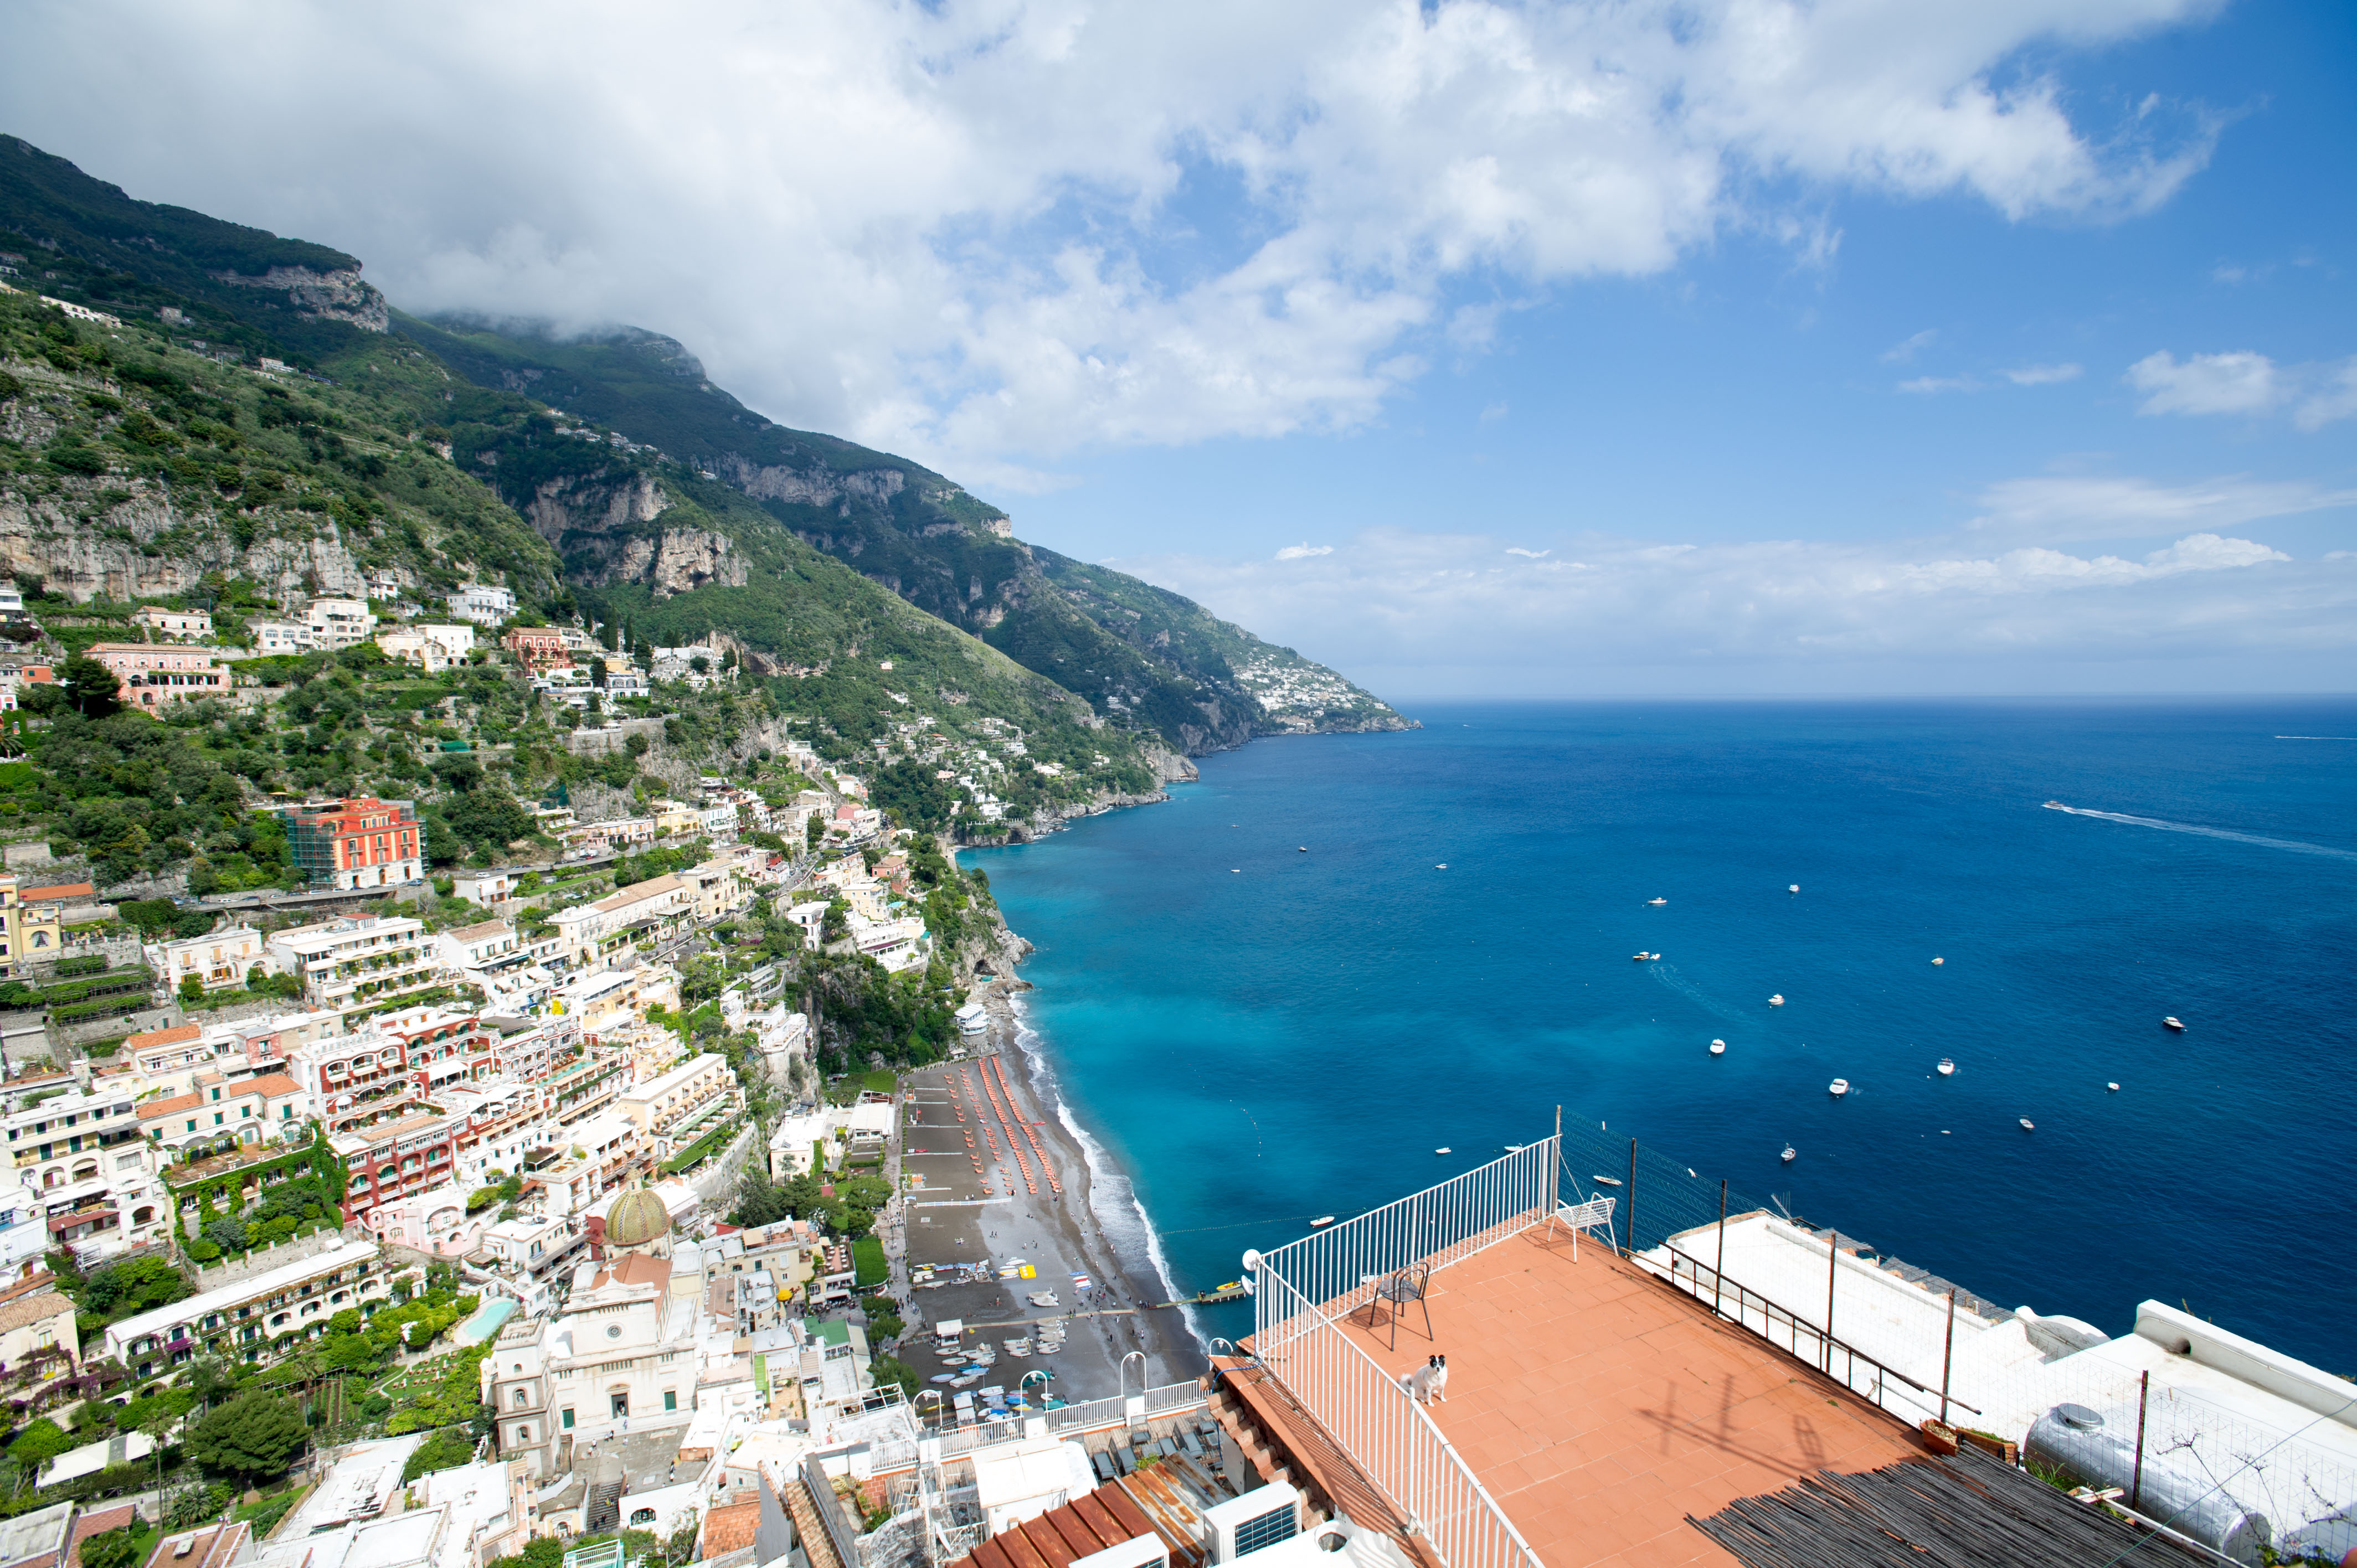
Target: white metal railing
{"x":1338,"y":1268}
{"x":1304,"y":1292}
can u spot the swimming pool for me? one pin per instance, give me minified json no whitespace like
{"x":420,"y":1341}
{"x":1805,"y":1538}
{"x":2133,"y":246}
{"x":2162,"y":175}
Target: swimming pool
{"x":484,"y":1326}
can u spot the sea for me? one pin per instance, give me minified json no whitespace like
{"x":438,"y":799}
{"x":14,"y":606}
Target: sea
{"x":1276,"y":995}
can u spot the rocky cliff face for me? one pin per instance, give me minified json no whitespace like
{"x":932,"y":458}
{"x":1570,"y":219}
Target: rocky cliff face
{"x":599,"y":523}
{"x":84,"y":544}
{"x":807,"y":487}
{"x":323,"y":296}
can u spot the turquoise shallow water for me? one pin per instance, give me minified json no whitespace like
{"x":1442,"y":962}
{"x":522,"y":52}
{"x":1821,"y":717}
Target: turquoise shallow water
{"x":1261,"y":1036}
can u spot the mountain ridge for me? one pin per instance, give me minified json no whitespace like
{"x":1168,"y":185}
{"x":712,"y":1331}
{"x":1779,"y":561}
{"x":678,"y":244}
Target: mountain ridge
{"x":663,"y":502}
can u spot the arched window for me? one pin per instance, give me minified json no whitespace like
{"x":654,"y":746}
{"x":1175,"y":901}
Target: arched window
{"x":642,"y":1516}
{"x":521,"y":1398}
{"x":86,"y":1172}
{"x":142,"y":1215}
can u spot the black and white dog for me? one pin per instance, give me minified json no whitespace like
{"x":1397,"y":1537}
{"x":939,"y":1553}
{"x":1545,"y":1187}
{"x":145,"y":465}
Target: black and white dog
{"x":1429,"y":1381}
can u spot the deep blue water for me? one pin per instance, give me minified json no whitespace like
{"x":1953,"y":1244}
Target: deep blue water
{"x":1261,"y":1036}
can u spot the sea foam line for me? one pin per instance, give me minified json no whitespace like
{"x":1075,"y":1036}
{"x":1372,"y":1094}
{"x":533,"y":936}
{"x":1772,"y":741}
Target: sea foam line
{"x":1113,"y":1196}
{"x":2292,"y":844}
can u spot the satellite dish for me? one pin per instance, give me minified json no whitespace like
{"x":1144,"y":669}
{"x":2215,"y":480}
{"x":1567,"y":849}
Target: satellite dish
{"x":1251,"y":1260}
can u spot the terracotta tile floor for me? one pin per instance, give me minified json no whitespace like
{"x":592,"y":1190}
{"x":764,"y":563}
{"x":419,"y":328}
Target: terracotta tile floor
{"x":1600,"y":1408}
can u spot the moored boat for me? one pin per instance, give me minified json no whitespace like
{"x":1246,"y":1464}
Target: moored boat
{"x":1789,"y":1156}
{"x":2173,"y":1024}
{"x":1719,"y":1048}
{"x":1839,"y":1088}
{"x":1947,"y":1068}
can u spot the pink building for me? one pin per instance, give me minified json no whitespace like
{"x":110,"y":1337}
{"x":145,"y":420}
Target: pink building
{"x":154,"y":675}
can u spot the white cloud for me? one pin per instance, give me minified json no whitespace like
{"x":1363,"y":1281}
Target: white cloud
{"x":946,"y":228}
{"x":2241,"y":382}
{"x":2074,"y":507}
{"x":1434,"y":611}
{"x":1304,"y":551}
{"x":1532,"y":554}
{"x":2249,"y":383}
{"x":1899,"y":353}
{"x":2024,"y":376}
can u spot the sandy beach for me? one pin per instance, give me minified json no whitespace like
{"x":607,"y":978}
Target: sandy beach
{"x":1002,"y":1179}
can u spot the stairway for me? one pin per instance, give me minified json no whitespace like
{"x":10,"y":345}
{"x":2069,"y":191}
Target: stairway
{"x":603,"y":1510}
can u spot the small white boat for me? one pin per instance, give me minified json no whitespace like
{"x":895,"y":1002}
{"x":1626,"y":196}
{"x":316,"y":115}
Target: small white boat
{"x":1777,"y":1000}
{"x":1788,"y":1157}
{"x":1608,"y":1181}
{"x":2111,"y":1089}
{"x":1794,"y":888}
{"x":1322,"y":1221}
{"x":1643,"y":956}
{"x":1719,"y":1048}
{"x":2172,"y":1024}
{"x":2028,"y":1125}
{"x":1839,"y":1088}
{"x":1938,"y":962}
{"x":1442,"y":866}
{"x":1656,"y":902}
{"x":1304,"y":849}
{"x":1440,"y":1150}
{"x":1947,"y":1068}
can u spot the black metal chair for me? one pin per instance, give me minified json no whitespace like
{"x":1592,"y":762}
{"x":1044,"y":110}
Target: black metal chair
{"x":1404,"y":1285}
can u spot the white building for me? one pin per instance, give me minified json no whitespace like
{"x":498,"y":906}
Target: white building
{"x":648,"y":911}
{"x":456,"y":641}
{"x":273,"y":636}
{"x":339,"y":623}
{"x":247,"y":1317}
{"x":354,"y":963}
{"x":683,"y":1103}
{"x":79,"y":1172}
{"x":161,"y":622}
{"x":219,"y":962}
{"x":483,"y":602}
{"x":408,"y":645}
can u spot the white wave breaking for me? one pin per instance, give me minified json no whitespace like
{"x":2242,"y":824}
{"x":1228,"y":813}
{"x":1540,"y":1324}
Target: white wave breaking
{"x":2228,"y":833}
{"x":1667,"y":974}
{"x":1113,"y":1196}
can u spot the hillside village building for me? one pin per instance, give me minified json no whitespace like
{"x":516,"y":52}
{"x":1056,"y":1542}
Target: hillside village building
{"x":155,"y":676}
{"x":361,"y":841}
{"x":339,"y":623}
{"x":218,"y":962}
{"x":158,"y":621}
{"x":359,"y":965}
{"x":250,"y":1318}
{"x":485,"y":604}
{"x":218,"y":1115}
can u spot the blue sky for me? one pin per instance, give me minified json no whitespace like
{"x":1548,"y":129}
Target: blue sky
{"x":1744,"y":346}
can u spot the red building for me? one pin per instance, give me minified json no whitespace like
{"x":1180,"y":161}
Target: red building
{"x":540,"y":647}
{"x":358,"y":843}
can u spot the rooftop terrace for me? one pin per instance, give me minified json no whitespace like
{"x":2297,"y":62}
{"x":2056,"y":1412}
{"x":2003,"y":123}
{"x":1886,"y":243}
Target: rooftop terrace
{"x":1590,"y":1408}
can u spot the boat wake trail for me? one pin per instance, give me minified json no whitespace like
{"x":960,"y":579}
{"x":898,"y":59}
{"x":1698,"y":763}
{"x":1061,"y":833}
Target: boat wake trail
{"x":2228,"y":833}
{"x":1667,"y":974}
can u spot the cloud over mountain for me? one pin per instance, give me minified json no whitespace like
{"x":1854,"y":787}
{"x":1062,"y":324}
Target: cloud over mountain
{"x":993,"y":232}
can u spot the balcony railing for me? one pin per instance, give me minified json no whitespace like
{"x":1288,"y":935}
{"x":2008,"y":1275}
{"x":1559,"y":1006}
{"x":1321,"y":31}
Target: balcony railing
{"x":1303,"y":1293}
